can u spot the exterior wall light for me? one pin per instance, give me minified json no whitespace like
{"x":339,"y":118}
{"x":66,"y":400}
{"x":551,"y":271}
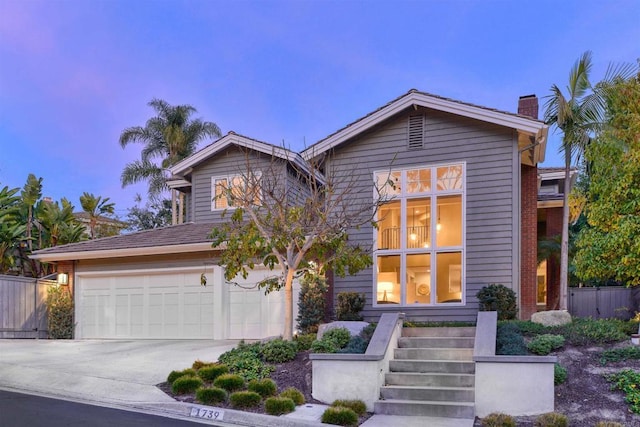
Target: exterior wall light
{"x":63,"y":279}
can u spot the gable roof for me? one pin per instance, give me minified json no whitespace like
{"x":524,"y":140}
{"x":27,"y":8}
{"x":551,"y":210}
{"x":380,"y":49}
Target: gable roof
{"x":532,"y":132}
{"x":183,"y":167}
{"x":189,"y":237}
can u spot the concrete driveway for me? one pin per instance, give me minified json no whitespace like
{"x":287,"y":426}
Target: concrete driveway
{"x":108,"y":371}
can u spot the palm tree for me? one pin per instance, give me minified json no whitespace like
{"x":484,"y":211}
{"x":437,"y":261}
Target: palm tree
{"x":59,"y":226}
{"x":95,"y":207}
{"x":580,"y":114}
{"x":12,"y":231}
{"x":31,"y":193}
{"x":168,"y":137}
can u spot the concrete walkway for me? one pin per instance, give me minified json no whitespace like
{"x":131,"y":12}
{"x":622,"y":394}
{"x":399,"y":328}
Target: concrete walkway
{"x":123,"y":374}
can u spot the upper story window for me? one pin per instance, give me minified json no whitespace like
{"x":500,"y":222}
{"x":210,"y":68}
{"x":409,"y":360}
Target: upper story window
{"x":226,"y":189}
{"x":420,"y":235}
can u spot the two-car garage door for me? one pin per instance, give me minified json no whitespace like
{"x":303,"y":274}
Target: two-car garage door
{"x":172,"y":304}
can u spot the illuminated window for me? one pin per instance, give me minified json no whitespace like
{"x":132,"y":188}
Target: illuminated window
{"x":226,"y":189}
{"x":420,"y":236}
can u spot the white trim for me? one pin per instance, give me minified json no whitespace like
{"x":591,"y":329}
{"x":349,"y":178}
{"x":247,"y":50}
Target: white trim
{"x":516,"y":194}
{"x":119,"y":253}
{"x":522,"y":124}
{"x":178,"y":183}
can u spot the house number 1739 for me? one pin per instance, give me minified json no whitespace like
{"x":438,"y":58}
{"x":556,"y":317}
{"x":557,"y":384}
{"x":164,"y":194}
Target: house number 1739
{"x":209,"y":414}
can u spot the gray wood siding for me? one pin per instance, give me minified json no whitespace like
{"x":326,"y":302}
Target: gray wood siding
{"x":229,"y":162}
{"x":488,"y":151}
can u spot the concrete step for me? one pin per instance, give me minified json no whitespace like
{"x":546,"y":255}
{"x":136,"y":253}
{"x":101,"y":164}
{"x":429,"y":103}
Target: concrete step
{"x":467,"y":331}
{"x":434,"y":353}
{"x":429,"y":366}
{"x":435,"y":342}
{"x":429,"y":380}
{"x":452,"y":394}
{"x":425,"y":408}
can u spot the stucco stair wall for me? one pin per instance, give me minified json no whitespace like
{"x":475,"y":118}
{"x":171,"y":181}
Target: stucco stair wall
{"x":432,"y":374}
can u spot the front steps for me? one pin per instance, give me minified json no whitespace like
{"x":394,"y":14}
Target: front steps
{"x":432,"y":374}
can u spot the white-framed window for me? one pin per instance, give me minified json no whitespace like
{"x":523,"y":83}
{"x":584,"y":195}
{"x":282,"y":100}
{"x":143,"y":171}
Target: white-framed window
{"x":420,"y":249}
{"x":239,"y":186}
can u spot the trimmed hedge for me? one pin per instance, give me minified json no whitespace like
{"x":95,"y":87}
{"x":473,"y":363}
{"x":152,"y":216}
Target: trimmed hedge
{"x":174,"y":375}
{"x":498,"y":420}
{"x":357,"y":406}
{"x":213,"y":371}
{"x":229,"y":382}
{"x":279,"y":405}
{"x":186,"y":384}
{"x":279,"y":351}
{"x":265,"y":388}
{"x":340,"y":416}
{"x":211,"y":395}
{"x":245,"y":399}
{"x":294,"y":394}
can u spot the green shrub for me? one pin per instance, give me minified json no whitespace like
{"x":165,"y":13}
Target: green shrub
{"x":627,"y":380}
{"x":60,"y":313}
{"x":265,"y":388}
{"x":174,"y":375}
{"x":367,"y":332}
{"x":279,"y":351}
{"x":608,"y":424}
{"x":340,"y":416}
{"x":545,"y":344}
{"x":552,"y":419}
{"x":186,"y":384}
{"x":498,"y":420}
{"x":355,"y":345}
{"x":199,"y":364}
{"x":528,"y":328}
{"x":356,"y":406}
{"x":311,"y":303}
{"x":229,"y":382}
{"x":324,"y":346}
{"x":245,"y":360}
{"x":213,"y":371}
{"x":279,"y":405}
{"x":559,"y":374}
{"x":498,"y":298}
{"x":592,"y":331}
{"x":304,"y":341}
{"x":619,"y":354}
{"x":245,"y":399}
{"x":293,"y":394}
{"x":509,"y":341}
{"x":630,"y":327}
{"x":211,"y":395}
{"x":241,"y":351}
{"x":340,"y":336}
{"x":350,"y":304}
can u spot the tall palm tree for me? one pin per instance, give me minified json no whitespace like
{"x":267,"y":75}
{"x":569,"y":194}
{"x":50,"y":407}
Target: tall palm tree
{"x":579,"y":114}
{"x":168,"y":137}
{"x":95,"y":207}
{"x":31,"y":193}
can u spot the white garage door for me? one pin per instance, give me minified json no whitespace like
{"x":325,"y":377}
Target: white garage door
{"x":254,"y":315}
{"x":152,"y":304}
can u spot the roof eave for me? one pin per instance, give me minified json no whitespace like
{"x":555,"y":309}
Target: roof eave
{"x":128,"y":252}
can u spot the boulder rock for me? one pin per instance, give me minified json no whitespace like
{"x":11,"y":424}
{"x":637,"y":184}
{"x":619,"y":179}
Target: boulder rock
{"x":551,"y":317}
{"x":354,"y":327}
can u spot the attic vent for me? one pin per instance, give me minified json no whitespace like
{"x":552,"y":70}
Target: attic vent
{"x":416,"y":131}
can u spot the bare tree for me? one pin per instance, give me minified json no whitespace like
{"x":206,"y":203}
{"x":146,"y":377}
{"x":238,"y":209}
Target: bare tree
{"x":291,"y":214}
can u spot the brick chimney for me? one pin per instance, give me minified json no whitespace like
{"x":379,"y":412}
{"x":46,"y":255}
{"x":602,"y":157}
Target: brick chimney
{"x":528,"y":106}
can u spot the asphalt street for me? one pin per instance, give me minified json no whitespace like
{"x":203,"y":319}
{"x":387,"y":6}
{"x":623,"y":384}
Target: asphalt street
{"x":18,"y":410}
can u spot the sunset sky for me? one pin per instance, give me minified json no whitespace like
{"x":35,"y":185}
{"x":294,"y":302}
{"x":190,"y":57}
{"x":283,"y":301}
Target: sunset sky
{"x":75,"y":73}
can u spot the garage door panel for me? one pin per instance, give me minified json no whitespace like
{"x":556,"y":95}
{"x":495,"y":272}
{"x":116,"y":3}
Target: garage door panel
{"x":152,"y":305}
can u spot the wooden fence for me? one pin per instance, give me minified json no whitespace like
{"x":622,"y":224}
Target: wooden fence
{"x":601,"y":303}
{"x":23,"y":312}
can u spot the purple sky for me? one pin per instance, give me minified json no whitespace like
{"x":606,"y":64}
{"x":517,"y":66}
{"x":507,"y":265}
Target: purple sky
{"x":75,"y":73}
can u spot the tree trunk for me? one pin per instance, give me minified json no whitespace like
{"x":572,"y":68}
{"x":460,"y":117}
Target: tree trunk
{"x":564,"y":248}
{"x":288,"y":305}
